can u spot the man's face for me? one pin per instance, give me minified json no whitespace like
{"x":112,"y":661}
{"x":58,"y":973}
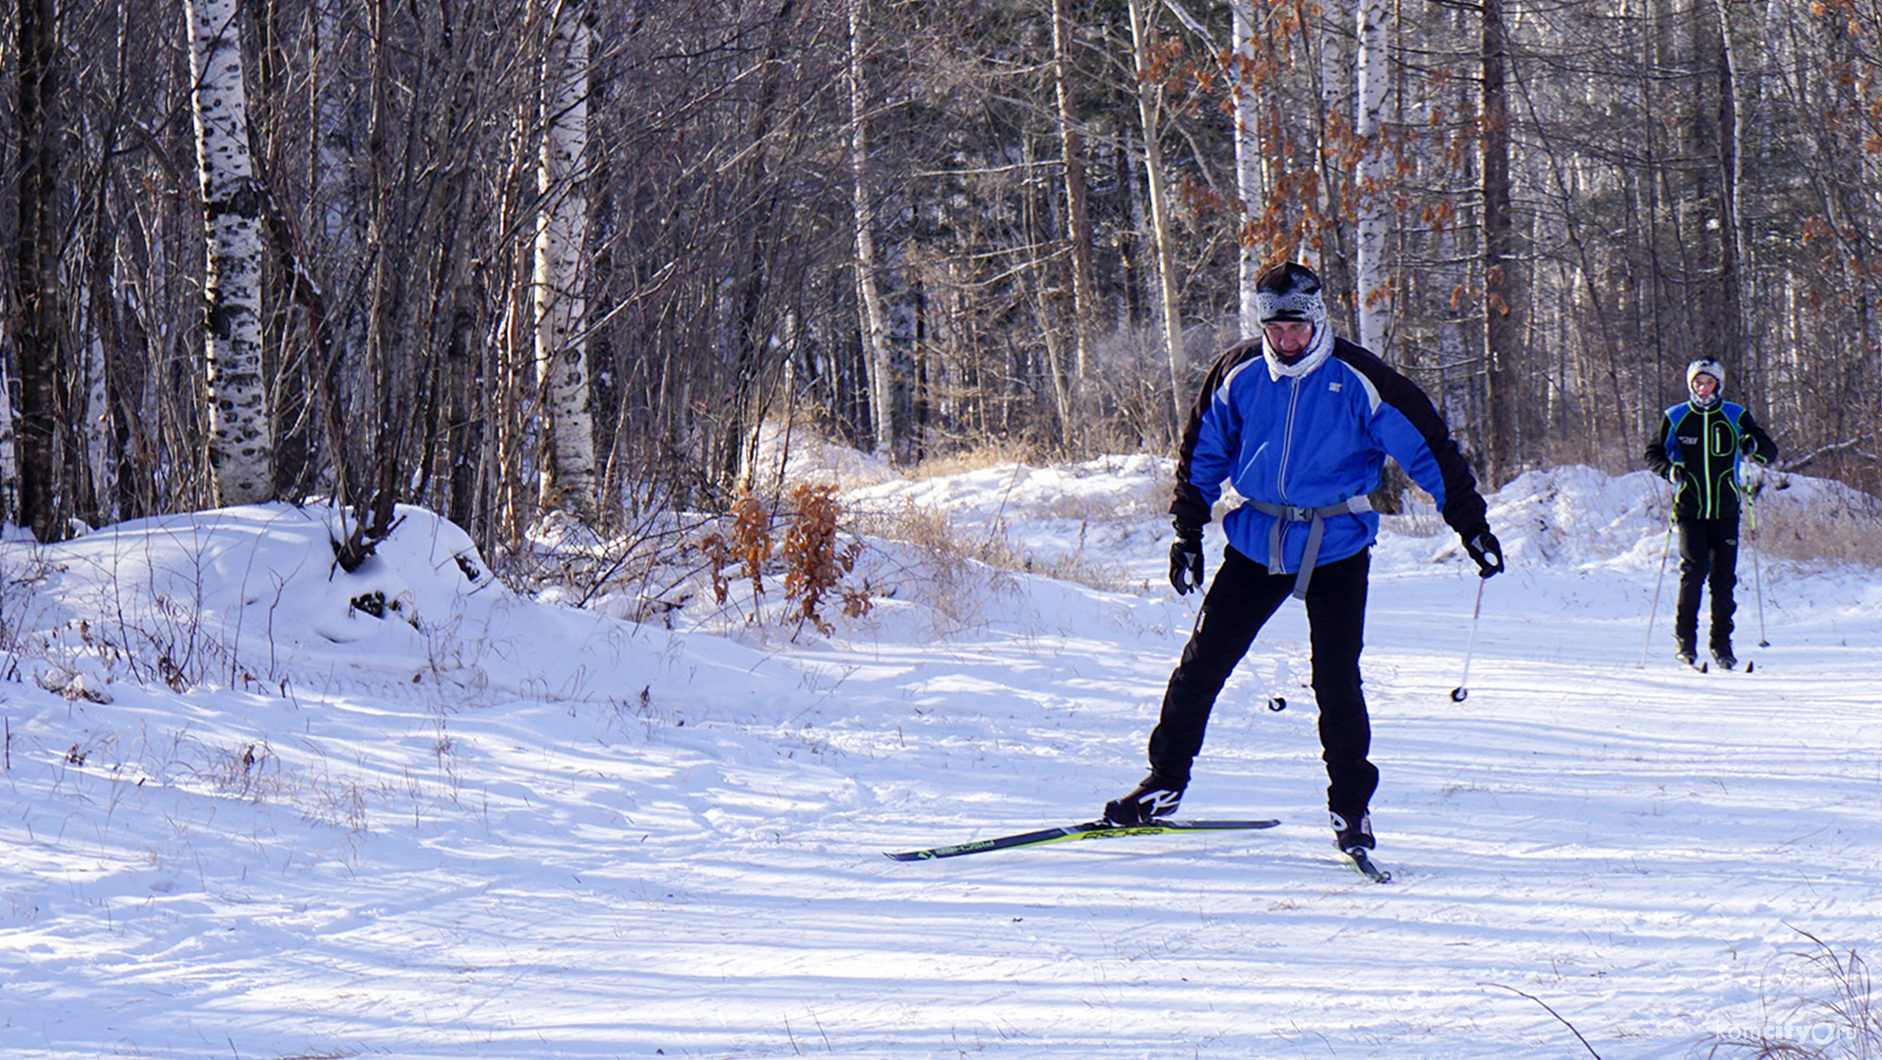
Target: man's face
{"x":1289,"y":337}
{"x":1704,"y":385}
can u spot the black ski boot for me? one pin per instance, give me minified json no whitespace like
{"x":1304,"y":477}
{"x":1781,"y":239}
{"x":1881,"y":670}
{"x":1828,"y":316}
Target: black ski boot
{"x":1154,"y":797}
{"x":1356,"y":843}
{"x":1355,"y":836}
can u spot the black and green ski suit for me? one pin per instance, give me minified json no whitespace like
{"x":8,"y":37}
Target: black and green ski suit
{"x":1698,"y":448}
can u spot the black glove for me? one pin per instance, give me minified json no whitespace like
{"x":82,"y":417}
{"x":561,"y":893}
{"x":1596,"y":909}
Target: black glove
{"x":1186,"y":560}
{"x":1483,"y":548}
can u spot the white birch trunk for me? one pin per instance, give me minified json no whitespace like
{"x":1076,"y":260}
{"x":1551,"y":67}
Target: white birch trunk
{"x":97,"y":420}
{"x":1373,"y":282}
{"x":1741,"y":59}
{"x":874,"y":320}
{"x":241,"y":449}
{"x":1077,"y":197}
{"x":567,"y":475}
{"x":1148,"y":109}
{"x":1335,"y":65}
{"x":9,"y":449}
{"x":338,"y":205}
{"x":1247,"y":161}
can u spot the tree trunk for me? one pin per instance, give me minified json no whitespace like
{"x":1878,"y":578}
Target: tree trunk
{"x":567,"y":471}
{"x":874,"y":320}
{"x":1332,"y":148}
{"x":36,"y":262}
{"x":1736,"y":96}
{"x":240,"y":445}
{"x":759,"y":200}
{"x":1149,"y":108}
{"x":1077,"y":195}
{"x":1500,"y":331}
{"x":1372,"y":295}
{"x":1247,"y":163}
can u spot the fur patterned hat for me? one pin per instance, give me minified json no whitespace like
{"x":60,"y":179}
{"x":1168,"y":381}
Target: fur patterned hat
{"x":1705,"y":366}
{"x":1289,"y":292}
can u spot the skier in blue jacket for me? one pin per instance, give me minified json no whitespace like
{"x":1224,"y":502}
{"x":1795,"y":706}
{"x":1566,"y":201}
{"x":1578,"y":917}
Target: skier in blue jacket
{"x":1698,"y":448}
{"x":1300,"y":423}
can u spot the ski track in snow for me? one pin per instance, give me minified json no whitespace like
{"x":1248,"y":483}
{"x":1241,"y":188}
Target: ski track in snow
{"x":471,"y":836}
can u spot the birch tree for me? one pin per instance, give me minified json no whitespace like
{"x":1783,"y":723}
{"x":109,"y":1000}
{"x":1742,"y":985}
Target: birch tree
{"x":567,"y":474}
{"x":1247,"y":161}
{"x":874,"y":320}
{"x":1149,"y":110}
{"x":240,"y":445}
{"x":1373,"y":294}
{"x":1737,"y":100}
{"x":1077,"y":196}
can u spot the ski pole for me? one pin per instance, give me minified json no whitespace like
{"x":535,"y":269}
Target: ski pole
{"x":1462,"y":691}
{"x":1648,"y":643}
{"x":1757,"y":575}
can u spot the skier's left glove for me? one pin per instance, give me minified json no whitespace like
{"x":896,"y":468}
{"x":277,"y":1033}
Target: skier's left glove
{"x":1483,"y":548}
{"x":1186,"y":560}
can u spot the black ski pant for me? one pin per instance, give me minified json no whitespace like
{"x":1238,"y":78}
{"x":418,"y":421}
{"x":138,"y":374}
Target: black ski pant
{"x":1708,"y":562}
{"x":1240,"y":601}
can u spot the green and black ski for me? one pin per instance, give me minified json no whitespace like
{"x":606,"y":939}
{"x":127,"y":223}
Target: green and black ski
{"x":1088,"y":830}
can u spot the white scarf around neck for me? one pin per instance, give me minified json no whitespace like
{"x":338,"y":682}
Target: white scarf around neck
{"x":1316,"y":354}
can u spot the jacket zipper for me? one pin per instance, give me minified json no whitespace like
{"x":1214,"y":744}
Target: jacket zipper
{"x":1287,"y":440}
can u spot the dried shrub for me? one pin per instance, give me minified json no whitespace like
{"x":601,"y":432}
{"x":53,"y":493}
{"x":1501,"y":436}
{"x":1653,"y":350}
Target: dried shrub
{"x":748,"y":546}
{"x":814,"y":566}
{"x":815,"y":563}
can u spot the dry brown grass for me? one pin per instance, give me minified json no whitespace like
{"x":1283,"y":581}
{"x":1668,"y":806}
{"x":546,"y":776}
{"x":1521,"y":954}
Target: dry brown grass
{"x":953,"y":551}
{"x":1840,"y":526}
{"x":992,"y":454}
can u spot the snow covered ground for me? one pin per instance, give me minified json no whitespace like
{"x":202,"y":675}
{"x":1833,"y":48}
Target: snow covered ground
{"x":245,"y":818}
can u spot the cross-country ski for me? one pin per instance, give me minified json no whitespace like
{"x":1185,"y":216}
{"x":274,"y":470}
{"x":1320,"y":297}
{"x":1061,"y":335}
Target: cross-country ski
{"x":1088,"y":830}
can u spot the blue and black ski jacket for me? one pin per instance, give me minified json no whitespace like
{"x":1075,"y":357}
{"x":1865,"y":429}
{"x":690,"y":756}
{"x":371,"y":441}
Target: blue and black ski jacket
{"x":1310,"y":442}
{"x":1705,"y":445}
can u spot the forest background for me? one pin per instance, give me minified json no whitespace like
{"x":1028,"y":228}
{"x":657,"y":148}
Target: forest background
{"x":510,"y":258}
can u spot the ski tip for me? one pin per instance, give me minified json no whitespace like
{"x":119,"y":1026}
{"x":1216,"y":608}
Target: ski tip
{"x":1750,"y":666}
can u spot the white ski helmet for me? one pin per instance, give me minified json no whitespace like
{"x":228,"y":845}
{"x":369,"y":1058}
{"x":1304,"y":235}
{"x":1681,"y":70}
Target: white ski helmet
{"x":1705,"y":366}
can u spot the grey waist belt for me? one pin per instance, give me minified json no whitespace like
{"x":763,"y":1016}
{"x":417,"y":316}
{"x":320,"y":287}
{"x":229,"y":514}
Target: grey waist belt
{"x":1316,"y":520}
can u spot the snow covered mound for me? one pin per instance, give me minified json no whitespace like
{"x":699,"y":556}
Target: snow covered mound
{"x":253,"y":594}
{"x":795,"y":454}
{"x":1105,"y":489}
{"x":243,"y":579}
{"x":1578,"y":514}
{"x":1584,"y":516}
